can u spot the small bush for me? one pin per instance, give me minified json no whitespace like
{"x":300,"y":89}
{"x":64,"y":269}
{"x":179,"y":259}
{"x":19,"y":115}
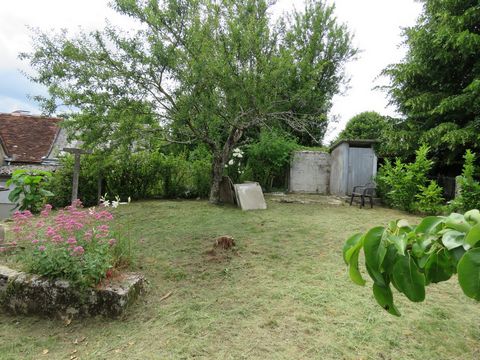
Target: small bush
{"x":430,"y":198}
{"x":403,"y":186}
{"x":269,"y":158}
{"x":30,"y":192}
{"x":469,"y":196}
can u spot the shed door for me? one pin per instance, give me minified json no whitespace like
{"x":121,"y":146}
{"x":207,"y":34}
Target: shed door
{"x":362,"y":167}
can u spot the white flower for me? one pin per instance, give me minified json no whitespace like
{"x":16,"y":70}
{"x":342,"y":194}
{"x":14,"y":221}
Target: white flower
{"x":230,"y":162}
{"x":115,"y":204}
{"x":91,"y":211}
{"x":129,"y":200}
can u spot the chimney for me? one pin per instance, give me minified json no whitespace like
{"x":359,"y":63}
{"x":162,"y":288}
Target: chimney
{"x":20,"y":113}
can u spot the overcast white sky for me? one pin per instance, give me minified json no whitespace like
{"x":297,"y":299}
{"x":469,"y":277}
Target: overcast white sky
{"x":376,"y":25}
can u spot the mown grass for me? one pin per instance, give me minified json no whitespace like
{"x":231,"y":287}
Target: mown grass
{"x":283,"y":294}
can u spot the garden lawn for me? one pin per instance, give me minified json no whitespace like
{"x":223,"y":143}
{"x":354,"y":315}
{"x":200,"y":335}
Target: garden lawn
{"x":283,"y":294}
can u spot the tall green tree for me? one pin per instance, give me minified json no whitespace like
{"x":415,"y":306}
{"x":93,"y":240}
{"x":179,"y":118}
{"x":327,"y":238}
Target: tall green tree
{"x":199,"y":70}
{"x":366,"y":125}
{"x":437,"y":85}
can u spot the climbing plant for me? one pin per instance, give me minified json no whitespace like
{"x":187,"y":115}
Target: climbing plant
{"x":411,"y":257}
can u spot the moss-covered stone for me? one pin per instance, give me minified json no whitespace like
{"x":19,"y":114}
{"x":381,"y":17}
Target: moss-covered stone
{"x":22,"y":293}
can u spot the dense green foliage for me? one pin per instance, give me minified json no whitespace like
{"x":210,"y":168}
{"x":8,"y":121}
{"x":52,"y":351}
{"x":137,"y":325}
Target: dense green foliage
{"x":429,"y":199}
{"x":469,"y":193}
{"x":437,"y":86}
{"x":411,"y":257}
{"x":366,"y":125}
{"x":30,"y":192}
{"x":406,"y":185}
{"x":141,"y":175}
{"x":197,"y":71}
{"x":269,"y":158}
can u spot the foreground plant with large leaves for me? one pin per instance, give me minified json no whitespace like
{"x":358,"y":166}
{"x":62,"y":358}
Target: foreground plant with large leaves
{"x":411,"y":257}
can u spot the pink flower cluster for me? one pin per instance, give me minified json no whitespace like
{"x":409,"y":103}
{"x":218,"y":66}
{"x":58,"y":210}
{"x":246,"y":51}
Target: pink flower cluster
{"x":73,"y":228}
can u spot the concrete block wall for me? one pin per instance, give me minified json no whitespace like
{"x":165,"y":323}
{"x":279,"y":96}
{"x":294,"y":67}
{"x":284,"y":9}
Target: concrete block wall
{"x":310,"y":172}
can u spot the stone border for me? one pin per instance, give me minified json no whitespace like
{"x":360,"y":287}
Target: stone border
{"x":26,"y":294}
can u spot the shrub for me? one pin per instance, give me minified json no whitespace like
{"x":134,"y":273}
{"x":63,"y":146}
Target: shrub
{"x":269,"y":158}
{"x":61,"y":182}
{"x":72,"y":244}
{"x":30,"y":191}
{"x":200,"y":172}
{"x":429,"y":200}
{"x":402,"y":185}
{"x":140,"y":175}
{"x":469,"y":196}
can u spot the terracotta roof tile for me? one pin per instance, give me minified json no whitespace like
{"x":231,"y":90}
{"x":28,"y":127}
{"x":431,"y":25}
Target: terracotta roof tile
{"x":28,"y":138}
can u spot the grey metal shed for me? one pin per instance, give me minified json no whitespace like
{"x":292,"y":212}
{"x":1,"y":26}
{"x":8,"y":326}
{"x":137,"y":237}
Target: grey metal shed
{"x":354,"y":162}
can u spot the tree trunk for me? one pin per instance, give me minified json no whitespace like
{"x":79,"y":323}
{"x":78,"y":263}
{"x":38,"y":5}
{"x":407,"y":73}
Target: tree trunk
{"x":217,"y":174}
{"x":220,"y":158}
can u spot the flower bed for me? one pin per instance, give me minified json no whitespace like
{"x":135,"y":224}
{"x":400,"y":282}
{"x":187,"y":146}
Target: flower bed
{"x":73,"y":246}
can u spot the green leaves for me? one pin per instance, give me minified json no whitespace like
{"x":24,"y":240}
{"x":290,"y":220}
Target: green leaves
{"x":429,"y":224}
{"x":473,"y":236}
{"x":351,"y":251}
{"x":469,"y":273}
{"x":409,"y":258}
{"x":384,"y":298}
{"x":457,"y":222}
{"x":374,"y":249}
{"x":409,"y":279}
{"x":439,"y":267}
{"x":29,"y":192}
{"x":400,"y":242}
{"x":453,"y":239}
{"x":442,"y":42}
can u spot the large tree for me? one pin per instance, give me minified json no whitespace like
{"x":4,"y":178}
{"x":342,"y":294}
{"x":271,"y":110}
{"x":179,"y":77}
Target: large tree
{"x":437,"y":85}
{"x":365,"y":125}
{"x":198,"y":70}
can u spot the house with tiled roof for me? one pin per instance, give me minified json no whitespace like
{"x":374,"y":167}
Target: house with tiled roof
{"x":27,"y":142}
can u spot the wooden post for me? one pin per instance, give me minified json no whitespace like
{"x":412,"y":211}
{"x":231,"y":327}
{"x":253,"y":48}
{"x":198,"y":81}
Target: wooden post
{"x":76,"y":169}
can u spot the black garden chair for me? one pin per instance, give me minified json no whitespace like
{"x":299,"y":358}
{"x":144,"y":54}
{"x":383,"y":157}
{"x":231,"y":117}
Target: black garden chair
{"x":364,"y":191}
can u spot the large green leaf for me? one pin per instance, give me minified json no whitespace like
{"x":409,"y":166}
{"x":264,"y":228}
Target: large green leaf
{"x":439,"y":267}
{"x":350,"y":246}
{"x":374,"y":248}
{"x":376,"y":276}
{"x":353,"y":270}
{"x":453,"y":239}
{"x":409,"y":279}
{"x":457,"y":222}
{"x":469,"y":273}
{"x":384,"y":298}
{"x":400,"y":242}
{"x":429,"y":224}
{"x":456,"y":254}
{"x":15,"y":194}
{"x":473,"y":236}
{"x":472,"y":216}
{"x":389,"y":259}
